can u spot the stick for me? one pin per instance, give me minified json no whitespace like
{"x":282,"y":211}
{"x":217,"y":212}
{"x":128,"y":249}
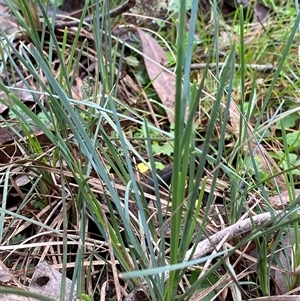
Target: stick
{"x":111,"y":14}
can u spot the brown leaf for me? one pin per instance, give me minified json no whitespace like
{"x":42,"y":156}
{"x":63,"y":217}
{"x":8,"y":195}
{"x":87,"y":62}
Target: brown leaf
{"x":77,"y":88}
{"x":257,"y":149}
{"x":9,"y":24}
{"x":163,"y":82}
{"x":280,"y":200}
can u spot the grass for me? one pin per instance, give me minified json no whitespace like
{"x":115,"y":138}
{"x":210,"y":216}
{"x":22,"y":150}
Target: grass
{"x":72,"y":180}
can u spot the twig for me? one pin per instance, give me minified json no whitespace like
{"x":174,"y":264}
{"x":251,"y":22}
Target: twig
{"x":277,"y":298}
{"x":207,"y":245}
{"x":111,"y":14}
{"x":268,"y":68}
{"x":261,"y":68}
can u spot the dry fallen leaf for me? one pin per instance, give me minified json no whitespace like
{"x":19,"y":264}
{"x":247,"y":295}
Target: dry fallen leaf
{"x":280,"y":200}
{"x":5,"y":276}
{"x":266,"y":160}
{"x":47,"y":281}
{"x":11,"y":297}
{"x":286,"y":257}
{"x":163,"y":81}
{"x":261,"y":12}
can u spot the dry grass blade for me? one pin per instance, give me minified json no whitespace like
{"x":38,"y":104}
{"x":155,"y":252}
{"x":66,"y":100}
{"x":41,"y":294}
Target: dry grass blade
{"x":277,"y":298}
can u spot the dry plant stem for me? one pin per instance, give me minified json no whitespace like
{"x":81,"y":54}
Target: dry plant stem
{"x":112,"y":14}
{"x":277,"y":298}
{"x":223,"y":280}
{"x":153,"y":115}
{"x":294,"y":291}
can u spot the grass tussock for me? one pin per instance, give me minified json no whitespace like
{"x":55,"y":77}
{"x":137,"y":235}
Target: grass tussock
{"x":149,"y":157}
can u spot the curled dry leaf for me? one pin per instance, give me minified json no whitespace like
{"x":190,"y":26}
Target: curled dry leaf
{"x":163,"y":81}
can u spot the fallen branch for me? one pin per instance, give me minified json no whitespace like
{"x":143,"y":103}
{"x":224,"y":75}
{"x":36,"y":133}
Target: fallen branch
{"x":241,"y":227}
{"x":269,"y":68}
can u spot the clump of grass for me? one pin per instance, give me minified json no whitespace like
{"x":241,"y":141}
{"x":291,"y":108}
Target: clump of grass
{"x":81,"y":161}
